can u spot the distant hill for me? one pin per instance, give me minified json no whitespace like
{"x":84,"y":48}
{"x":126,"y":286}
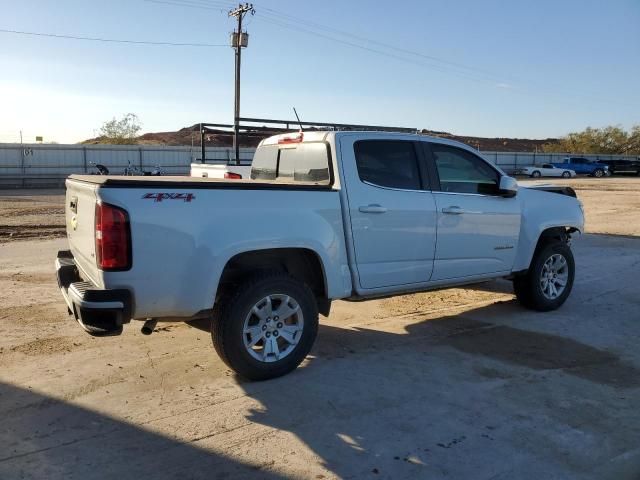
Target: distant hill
{"x":191,"y":136}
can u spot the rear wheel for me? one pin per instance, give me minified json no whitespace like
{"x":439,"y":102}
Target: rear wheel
{"x":267,"y":327}
{"x":536,"y":174}
{"x":549,"y":280}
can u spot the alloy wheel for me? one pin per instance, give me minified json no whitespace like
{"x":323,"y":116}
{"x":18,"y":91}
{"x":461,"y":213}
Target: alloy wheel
{"x":273,"y":328}
{"x":554,"y":276}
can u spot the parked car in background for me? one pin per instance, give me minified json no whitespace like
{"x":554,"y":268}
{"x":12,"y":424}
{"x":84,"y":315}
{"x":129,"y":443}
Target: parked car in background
{"x":546,"y":170}
{"x":623,"y":166}
{"x":583,"y":165}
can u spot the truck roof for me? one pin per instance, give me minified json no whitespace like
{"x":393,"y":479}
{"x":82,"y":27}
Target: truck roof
{"x":323,"y":135}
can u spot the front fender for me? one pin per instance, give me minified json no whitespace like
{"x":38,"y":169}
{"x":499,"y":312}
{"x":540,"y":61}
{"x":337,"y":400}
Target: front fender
{"x":541,"y":211}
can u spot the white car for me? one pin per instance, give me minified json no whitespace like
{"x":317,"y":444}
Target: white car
{"x":323,"y":216}
{"x":547,"y":170}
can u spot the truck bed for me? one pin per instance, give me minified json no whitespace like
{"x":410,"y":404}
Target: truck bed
{"x":186,"y":228}
{"x":122,"y":181}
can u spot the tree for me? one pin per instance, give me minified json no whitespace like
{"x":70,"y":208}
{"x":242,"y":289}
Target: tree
{"x":121,"y":132}
{"x":607,"y":140}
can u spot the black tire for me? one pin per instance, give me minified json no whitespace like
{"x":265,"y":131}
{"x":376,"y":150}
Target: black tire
{"x":527,"y":287}
{"x":598,"y":173}
{"x":536,"y":174}
{"x":566,"y":175}
{"x":228,"y":323}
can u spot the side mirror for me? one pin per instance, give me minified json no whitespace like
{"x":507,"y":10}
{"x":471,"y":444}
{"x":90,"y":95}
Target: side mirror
{"x":508,"y":187}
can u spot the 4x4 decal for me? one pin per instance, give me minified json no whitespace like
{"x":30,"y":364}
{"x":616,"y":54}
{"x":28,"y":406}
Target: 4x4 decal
{"x":159,"y":197}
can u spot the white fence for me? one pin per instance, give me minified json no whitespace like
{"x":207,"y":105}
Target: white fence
{"x":38,"y":165}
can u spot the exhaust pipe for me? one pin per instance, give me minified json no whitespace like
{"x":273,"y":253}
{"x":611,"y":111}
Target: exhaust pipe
{"x":149,"y":326}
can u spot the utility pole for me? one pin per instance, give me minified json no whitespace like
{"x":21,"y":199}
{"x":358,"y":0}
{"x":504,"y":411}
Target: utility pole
{"x":238,"y":41}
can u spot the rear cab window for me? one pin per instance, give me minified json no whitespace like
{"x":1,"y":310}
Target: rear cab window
{"x":305,"y":163}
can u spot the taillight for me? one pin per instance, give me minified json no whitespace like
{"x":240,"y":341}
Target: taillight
{"x":113,"y":238}
{"x":232,"y":175}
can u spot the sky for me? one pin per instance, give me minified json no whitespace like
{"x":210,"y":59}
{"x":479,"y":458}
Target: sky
{"x":497,"y":68}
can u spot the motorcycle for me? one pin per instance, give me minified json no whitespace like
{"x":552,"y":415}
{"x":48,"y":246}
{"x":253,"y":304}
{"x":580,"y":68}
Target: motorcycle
{"x":102,"y":170}
{"x":132,"y":170}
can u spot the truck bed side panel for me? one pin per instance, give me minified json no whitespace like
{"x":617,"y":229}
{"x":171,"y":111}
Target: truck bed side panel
{"x":182,"y":240}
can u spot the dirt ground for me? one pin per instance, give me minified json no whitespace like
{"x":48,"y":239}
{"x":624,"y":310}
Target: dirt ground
{"x":611,"y":204}
{"x":27,"y":214}
{"x":454,"y":384}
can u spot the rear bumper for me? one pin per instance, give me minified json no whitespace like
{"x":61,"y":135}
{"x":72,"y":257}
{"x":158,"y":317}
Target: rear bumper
{"x":99,"y":311}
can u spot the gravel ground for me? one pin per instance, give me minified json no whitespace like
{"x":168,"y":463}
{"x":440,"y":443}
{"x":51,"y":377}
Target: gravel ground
{"x":455,"y":384}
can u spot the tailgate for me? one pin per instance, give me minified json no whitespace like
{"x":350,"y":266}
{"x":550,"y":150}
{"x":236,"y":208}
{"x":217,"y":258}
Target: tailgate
{"x":80,"y":221}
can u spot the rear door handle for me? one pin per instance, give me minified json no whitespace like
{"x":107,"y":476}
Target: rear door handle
{"x":453,"y":210}
{"x":374,"y":208}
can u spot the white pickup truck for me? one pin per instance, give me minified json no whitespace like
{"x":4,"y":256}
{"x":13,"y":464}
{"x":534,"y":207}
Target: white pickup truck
{"x":325,"y":216}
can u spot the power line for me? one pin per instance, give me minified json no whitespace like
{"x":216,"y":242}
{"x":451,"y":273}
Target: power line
{"x":465,"y":75}
{"x":549,"y":87}
{"x":456,"y":69}
{"x":282,"y":15}
{"x":284,"y":20}
{"x":220,"y":6}
{"x":110,"y":40}
{"x":419,"y":59}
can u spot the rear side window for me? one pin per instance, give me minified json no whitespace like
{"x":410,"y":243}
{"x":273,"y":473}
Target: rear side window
{"x":388,"y":163}
{"x":304,"y":163}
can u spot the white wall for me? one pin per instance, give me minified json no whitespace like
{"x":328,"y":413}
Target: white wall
{"x":48,"y":165}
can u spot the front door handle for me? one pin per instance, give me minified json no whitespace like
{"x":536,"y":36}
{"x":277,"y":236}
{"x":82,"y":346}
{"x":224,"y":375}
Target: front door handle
{"x":453,"y":210}
{"x":374,"y":208}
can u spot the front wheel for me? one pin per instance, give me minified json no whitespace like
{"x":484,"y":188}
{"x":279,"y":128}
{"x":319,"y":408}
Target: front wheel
{"x":566,"y":175}
{"x":536,"y":174}
{"x":599,"y":173}
{"x":549,"y":280}
{"x":267,"y":327}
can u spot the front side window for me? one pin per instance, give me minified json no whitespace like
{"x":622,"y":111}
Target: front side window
{"x":388,"y":163}
{"x":463,"y":172}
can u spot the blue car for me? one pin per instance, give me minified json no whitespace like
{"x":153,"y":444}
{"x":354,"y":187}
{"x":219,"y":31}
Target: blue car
{"x":582,"y":165}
